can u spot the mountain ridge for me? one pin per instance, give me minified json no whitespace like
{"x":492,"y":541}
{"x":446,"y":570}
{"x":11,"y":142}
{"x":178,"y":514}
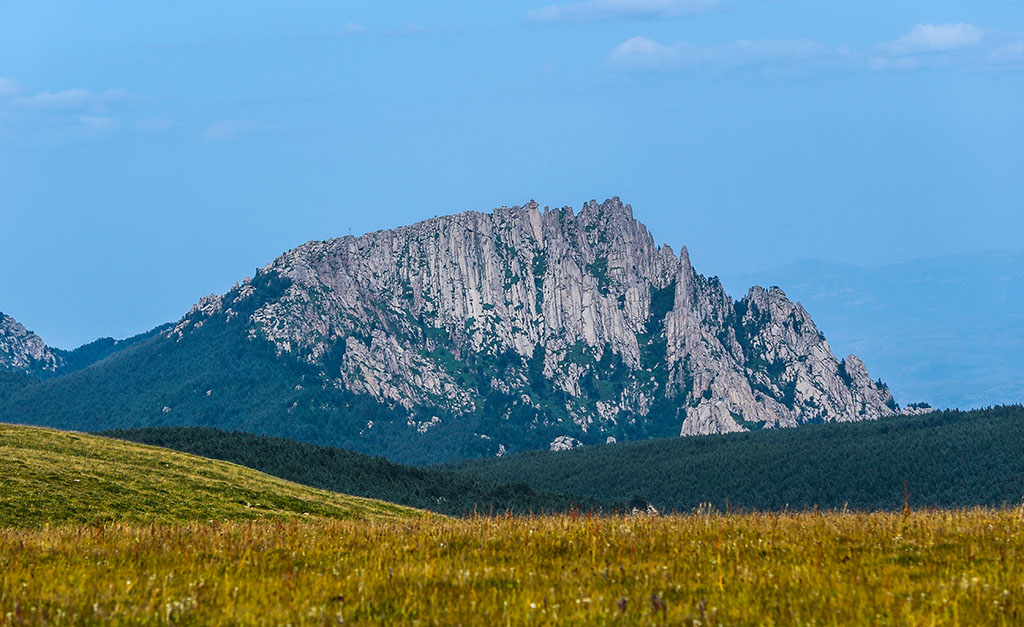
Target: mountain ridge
{"x":24,"y":352}
{"x":492,"y":332}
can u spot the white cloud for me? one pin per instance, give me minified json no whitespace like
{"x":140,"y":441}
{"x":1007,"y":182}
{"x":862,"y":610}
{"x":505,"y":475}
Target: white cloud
{"x":961,"y":46}
{"x":72,"y":99}
{"x":9,"y":87}
{"x":408,"y":29}
{"x":67,"y":99}
{"x":228,"y":130}
{"x":69,"y":114}
{"x":926,"y":38}
{"x":964,"y":46}
{"x":642,"y":53}
{"x":596,"y":10}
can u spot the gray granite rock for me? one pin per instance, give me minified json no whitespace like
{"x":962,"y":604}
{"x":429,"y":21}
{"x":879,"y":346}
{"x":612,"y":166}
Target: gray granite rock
{"x":23,"y":351}
{"x":617,"y":325}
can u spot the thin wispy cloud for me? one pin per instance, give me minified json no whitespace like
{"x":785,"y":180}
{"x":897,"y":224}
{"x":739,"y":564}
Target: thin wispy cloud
{"x":67,"y":99}
{"x":229,"y":130}
{"x":644,"y":54}
{"x":59,"y":116}
{"x":408,"y":29}
{"x":925,"y":38}
{"x":72,"y":99}
{"x":923,"y":46}
{"x":605,"y":10}
{"x":946,"y":46}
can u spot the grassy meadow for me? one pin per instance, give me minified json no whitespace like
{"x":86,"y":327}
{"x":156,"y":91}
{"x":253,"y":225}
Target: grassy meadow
{"x":100,"y":531}
{"x":53,"y":477}
{"x":921,"y":568}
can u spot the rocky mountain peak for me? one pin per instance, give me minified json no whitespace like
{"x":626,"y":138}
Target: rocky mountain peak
{"x":577,"y":323}
{"x":24,"y":351}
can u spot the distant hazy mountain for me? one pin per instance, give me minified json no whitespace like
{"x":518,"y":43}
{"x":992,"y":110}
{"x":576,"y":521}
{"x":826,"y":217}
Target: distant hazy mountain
{"x":948,"y":330}
{"x":474,"y":334}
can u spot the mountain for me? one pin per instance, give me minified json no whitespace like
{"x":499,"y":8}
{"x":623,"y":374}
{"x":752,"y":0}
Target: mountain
{"x":474,"y":334}
{"x":53,"y":477}
{"x":949,"y":459}
{"x":946,"y":329}
{"x":23,"y":351}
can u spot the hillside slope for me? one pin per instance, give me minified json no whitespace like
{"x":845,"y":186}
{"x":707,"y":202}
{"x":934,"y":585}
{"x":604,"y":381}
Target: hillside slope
{"x":54,"y":477}
{"x":945,"y":459}
{"x":475,"y":334}
{"x":353,"y":473}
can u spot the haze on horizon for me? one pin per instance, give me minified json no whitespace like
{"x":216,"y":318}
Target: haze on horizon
{"x":150,"y":154}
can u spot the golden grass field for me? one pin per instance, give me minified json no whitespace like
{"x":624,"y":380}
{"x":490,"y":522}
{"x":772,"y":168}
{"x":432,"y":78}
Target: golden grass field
{"x":49,"y":476}
{"x":920,"y":568}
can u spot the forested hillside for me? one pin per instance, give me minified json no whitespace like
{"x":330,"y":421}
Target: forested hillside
{"x":348,"y":472}
{"x":945,"y":459}
{"x":218,"y":378}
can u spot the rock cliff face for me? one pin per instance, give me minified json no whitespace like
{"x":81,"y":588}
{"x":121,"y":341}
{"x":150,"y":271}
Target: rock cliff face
{"x":545,"y":321}
{"x":24,"y":351}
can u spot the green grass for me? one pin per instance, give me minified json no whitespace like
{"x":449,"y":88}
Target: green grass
{"x":920,"y":568}
{"x":51,"y":477}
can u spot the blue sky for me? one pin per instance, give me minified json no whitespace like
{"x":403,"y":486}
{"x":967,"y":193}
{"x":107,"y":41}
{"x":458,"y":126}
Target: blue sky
{"x":151,"y":153}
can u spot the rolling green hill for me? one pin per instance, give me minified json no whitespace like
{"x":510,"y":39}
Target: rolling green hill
{"x":54,"y":477}
{"x":349,"y":472}
{"x":945,"y":459}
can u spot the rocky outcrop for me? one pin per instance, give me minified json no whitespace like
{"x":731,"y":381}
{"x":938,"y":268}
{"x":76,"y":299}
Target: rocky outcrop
{"x":24,"y":351}
{"x":564,"y":443}
{"x":916,"y":409}
{"x":575,"y":325}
